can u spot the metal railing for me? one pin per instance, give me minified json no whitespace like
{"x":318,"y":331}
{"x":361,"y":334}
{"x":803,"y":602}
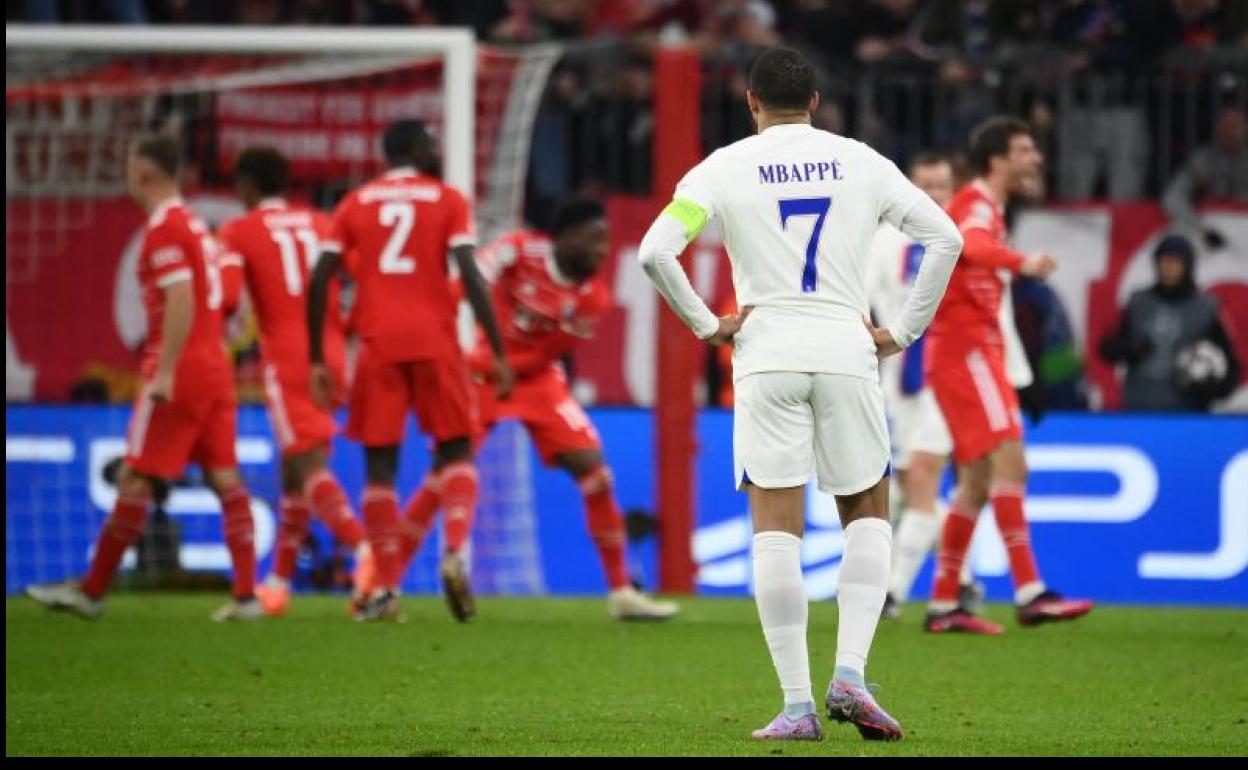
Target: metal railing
{"x":1106,"y":134}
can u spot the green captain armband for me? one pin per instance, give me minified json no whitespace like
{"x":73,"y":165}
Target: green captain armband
{"x":689,"y":214}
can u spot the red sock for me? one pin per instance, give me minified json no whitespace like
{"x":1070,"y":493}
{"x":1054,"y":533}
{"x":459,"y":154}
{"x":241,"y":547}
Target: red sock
{"x":417,"y":516}
{"x":381,"y":518}
{"x":606,"y":525}
{"x":121,"y":529}
{"x":240,"y":539}
{"x":330,"y":503}
{"x":1007,"y":504}
{"x":459,"y":501}
{"x":291,"y":533}
{"x":955,"y":539}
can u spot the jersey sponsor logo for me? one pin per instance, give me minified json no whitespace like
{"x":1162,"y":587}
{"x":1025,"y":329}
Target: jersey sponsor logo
{"x":808,"y":171}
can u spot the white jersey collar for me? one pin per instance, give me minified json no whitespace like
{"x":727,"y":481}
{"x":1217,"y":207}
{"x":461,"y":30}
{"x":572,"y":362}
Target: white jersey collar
{"x":158,"y":214}
{"x":785,"y":128}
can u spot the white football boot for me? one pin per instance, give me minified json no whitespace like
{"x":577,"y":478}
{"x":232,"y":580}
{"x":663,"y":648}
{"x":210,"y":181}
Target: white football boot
{"x":67,"y":597}
{"x":630,"y":604}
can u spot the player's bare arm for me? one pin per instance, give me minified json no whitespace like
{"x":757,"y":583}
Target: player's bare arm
{"x":179,"y":315}
{"x":478,"y":294}
{"x":327,"y":266}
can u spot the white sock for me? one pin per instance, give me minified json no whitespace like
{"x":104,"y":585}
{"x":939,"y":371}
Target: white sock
{"x":1025,"y":593}
{"x":916,"y":535}
{"x":860,"y":592}
{"x":780,"y":594}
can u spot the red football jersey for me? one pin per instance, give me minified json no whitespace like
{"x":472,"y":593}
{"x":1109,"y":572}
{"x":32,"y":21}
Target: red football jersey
{"x":394,"y":234}
{"x":278,"y":245}
{"x":542,"y":314}
{"x":972,"y":301}
{"x":177,"y":246}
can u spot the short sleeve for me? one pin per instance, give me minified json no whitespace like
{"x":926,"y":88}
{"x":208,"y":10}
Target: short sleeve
{"x":168,"y":258}
{"x":495,"y":258}
{"x":337,"y":235}
{"x":229,"y":238}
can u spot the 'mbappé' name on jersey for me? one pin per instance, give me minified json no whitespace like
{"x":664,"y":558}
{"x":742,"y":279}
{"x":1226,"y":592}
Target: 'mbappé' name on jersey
{"x":806,"y":171}
{"x":798,"y":208}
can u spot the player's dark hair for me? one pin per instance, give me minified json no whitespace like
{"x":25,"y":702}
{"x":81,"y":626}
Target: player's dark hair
{"x":782,"y":79}
{"x":991,"y":139}
{"x":575,"y":212}
{"x":265,"y":168}
{"x":160,"y":149}
{"x":408,"y":143}
{"x":928,"y":158}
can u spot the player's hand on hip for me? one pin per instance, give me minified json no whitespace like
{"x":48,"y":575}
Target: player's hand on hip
{"x":504,"y":379}
{"x":1038,"y":265}
{"x":323,"y":387}
{"x":161,"y":389}
{"x":729,"y":325}
{"x":885,"y":345}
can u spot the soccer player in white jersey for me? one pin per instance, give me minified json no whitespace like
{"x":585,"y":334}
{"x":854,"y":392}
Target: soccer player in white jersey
{"x":798,"y":208}
{"x":921,"y":441}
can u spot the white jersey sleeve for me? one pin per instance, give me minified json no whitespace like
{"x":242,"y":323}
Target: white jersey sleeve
{"x":797,"y":208}
{"x":659,"y":253}
{"x":910,"y":210}
{"x":1017,"y":370}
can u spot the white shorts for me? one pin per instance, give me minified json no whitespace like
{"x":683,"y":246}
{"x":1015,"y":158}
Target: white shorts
{"x":918,"y":426}
{"x":788,"y":426}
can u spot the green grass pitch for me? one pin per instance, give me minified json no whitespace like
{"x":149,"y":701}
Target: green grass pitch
{"x":557,"y":677}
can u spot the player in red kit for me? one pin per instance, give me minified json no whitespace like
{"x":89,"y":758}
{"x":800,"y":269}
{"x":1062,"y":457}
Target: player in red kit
{"x":965,"y":367}
{"x":549,"y":299}
{"x":393,"y":235}
{"x":185,"y":410}
{"x":277,"y":244}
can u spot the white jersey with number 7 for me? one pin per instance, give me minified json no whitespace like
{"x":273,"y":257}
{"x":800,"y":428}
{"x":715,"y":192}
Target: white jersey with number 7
{"x":798,"y":208}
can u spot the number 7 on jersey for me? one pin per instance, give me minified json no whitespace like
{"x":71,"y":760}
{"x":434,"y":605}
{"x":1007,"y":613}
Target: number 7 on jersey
{"x":807,"y":207}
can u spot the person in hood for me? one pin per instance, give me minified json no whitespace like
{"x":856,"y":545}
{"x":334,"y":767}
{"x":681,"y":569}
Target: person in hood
{"x":1172,"y":339}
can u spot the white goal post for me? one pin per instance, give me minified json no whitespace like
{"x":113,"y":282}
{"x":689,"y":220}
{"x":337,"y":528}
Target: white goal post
{"x":76,"y":94}
{"x":456,"y":47}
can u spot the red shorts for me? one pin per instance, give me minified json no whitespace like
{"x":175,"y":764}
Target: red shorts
{"x":554,"y":420}
{"x":436,"y":390}
{"x":978,"y":402}
{"x":192,"y":427}
{"x":298,"y":423}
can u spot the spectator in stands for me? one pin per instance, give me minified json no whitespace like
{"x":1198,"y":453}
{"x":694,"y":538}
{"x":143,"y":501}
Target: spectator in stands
{"x":1176,"y":348}
{"x":1215,"y":172}
{"x":1102,"y":132}
{"x":117,"y":11}
{"x":544,"y":20}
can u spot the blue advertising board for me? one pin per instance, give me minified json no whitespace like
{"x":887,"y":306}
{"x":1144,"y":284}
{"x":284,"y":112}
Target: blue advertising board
{"x":1129,"y":509}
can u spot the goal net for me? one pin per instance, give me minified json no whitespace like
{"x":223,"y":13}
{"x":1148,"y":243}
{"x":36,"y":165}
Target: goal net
{"x":75,"y":96}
